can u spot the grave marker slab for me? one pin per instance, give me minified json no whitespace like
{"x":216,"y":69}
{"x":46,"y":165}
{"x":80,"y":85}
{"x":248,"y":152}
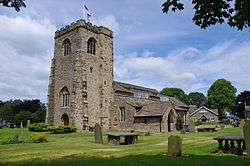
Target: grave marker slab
{"x":98,"y":134}
{"x":174,"y":146}
{"x":246,"y":131}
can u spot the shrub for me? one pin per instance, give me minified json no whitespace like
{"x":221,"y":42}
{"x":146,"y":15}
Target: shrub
{"x":38,"y":138}
{"x":62,"y":129}
{"x":179,"y":124}
{"x":38,"y":127}
{"x":12,"y":140}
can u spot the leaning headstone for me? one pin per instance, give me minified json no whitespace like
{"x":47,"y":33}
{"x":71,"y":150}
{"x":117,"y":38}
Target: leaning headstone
{"x":98,"y":134}
{"x":174,"y":146}
{"x":246,"y":131}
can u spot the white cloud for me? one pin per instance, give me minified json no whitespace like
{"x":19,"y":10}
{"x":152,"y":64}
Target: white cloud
{"x":108,"y":21}
{"x":188,"y":68}
{"x":149,"y":37}
{"x":26,"y":49}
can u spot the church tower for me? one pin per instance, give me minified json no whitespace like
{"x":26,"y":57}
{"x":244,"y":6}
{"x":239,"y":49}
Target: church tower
{"x":80,"y":86}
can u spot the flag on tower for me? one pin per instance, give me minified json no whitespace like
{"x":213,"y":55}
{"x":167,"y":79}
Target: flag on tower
{"x":87,"y":11}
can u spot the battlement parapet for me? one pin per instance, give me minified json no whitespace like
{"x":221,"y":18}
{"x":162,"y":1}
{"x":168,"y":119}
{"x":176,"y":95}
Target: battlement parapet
{"x":87,"y":25}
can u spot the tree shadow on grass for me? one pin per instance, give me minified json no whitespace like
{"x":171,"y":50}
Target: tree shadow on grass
{"x":139,"y":160}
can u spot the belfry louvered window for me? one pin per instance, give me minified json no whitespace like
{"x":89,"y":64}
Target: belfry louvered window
{"x":67,"y":47}
{"x":91,"y":46}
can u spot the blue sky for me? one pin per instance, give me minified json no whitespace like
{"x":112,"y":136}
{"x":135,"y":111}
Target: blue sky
{"x":151,"y":48}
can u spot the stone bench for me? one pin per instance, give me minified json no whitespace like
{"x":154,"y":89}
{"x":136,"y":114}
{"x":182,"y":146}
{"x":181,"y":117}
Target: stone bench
{"x":115,"y":137}
{"x":231,"y":144}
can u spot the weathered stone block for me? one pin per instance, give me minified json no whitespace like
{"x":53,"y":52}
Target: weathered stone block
{"x":174,"y":146}
{"x":242,"y":123}
{"x":246,"y":131}
{"x":98,"y":134}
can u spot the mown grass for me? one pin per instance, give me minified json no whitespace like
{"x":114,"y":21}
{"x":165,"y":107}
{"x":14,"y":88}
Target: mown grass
{"x":79,"y":149}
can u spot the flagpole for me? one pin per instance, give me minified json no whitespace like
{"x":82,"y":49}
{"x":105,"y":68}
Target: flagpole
{"x":87,"y":12}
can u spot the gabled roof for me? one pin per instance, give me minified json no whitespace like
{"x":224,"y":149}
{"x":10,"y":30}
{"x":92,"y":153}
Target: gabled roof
{"x":154,"y":109}
{"x":214,"y":111}
{"x":192,"y":109}
{"x":179,"y":105}
{"x":119,"y":86}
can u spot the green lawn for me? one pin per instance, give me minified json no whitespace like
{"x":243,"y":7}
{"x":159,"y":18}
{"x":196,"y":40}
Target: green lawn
{"x":79,"y":149}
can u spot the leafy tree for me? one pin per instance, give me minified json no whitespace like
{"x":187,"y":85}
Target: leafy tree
{"x":23,"y":116}
{"x":30,"y":105}
{"x":9,"y":109}
{"x":236,"y":13}
{"x":196,"y":98}
{"x":177,"y":93}
{"x":242,"y":100}
{"x":39,"y":116}
{"x":221,"y":95}
{"x":17,"y":4}
{"x":1,"y":103}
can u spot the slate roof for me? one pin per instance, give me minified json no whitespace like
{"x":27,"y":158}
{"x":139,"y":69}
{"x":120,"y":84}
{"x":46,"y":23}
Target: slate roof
{"x":192,"y":109}
{"x":179,"y":105}
{"x":119,"y":86}
{"x":213,"y":111}
{"x":154,"y":109}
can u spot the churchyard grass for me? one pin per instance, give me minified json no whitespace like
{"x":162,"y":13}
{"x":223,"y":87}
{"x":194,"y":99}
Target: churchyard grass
{"x":80,"y":149}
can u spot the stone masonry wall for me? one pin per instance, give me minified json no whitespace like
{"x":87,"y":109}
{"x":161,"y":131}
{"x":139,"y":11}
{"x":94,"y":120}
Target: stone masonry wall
{"x":154,"y":124}
{"x":88,"y":77}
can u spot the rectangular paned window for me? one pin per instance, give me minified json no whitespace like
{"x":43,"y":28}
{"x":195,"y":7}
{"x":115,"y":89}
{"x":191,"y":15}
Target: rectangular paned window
{"x":141,"y":94}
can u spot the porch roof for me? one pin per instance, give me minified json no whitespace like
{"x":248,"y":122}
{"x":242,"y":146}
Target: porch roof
{"x":154,"y":109}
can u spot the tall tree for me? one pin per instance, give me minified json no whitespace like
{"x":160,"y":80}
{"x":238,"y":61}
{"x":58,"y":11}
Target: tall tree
{"x":40,"y":115}
{"x":9,"y":109}
{"x":12,"y":111}
{"x":236,"y":13}
{"x":23,"y":117}
{"x":1,"y":103}
{"x":196,"y":98}
{"x":30,"y":105}
{"x":16,"y":4}
{"x":177,"y":93}
{"x":242,"y":100}
{"x":222,"y":95}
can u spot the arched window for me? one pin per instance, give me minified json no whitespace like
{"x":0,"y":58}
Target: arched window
{"x":67,"y":47}
{"x":64,"y":96}
{"x":91,"y":45}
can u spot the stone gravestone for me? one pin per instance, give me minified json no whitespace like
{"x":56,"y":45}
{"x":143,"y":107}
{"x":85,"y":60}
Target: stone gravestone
{"x":98,"y":134}
{"x":242,"y":123}
{"x":174,"y":146}
{"x":246,"y":131}
{"x":28,"y":122}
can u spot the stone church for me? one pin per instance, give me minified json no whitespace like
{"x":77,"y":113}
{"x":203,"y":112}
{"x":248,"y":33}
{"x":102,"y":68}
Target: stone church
{"x":82,"y":90}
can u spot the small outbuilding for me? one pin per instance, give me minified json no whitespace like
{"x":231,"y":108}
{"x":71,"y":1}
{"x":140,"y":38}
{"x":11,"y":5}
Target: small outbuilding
{"x":206,"y":115}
